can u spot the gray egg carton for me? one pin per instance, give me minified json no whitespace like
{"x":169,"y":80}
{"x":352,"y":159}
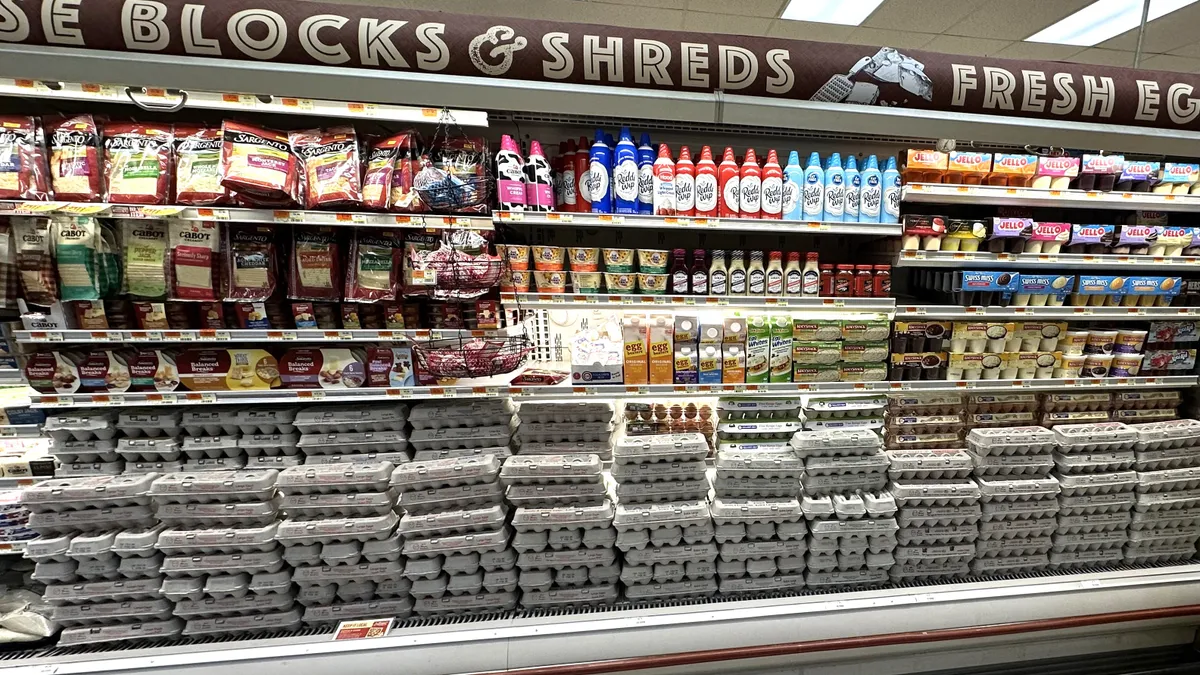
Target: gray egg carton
{"x":1166,"y":435}
{"x":446,"y":414}
{"x":845,"y":530}
{"x":662,"y":491}
{"x":725,"y":486}
{"x":1141,"y":519}
{"x":472,"y":542}
{"x":1090,"y":541}
{"x":208,"y":541}
{"x":423,"y":568}
{"x":336,"y":530}
{"x":482,"y":603}
{"x":214,"y":486}
{"x":464,"y":437}
{"x":67,"y":494}
{"x":668,"y":514}
{"x":774,"y":583}
{"x":761,"y":430}
{"x":317,"y":596}
{"x":1093,"y":522}
{"x":234,"y":606}
{"x":562,"y":517}
{"x":1172,"y":458}
{"x":1097,"y":483}
{"x":1157,"y":501}
{"x":125,"y":632}
{"x":1076,"y":401}
{"x":1011,"y":441}
{"x":271,"y":583}
{"x":278,"y":462}
{"x":924,"y":424}
{"x":396,"y":608}
{"x":139,"y":422}
{"x":351,"y":418}
{"x":879,"y":504}
{"x":950,"y":492}
{"x":835,"y":443}
{"x":601,"y":448}
{"x":991,"y":548}
{"x":81,"y":426}
{"x":92,"y":520}
{"x":926,"y":571}
{"x":750,"y":550}
{"x":1095,"y":437}
{"x":1146,"y":556}
{"x":611,"y":574}
{"x":1018,"y":529}
{"x":556,"y":494}
{"x":218,"y":513}
{"x":688,"y":588}
{"x":927,"y":464}
{"x":940,"y":553}
{"x":95,"y":569}
{"x":261,"y":420}
{"x":324,"y":575}
{"x":830,"y":485}
{"x":1169,"y":536}
{"x":459,"y":521}
{"x":785,"y":464}
{"x":664,"y":448}
{"x":1111,"y":502}
{"x":501,"y":453}
{"x":757,"y":408}
{"x":1010,"y":564}
{"x":163,"y":468}
{"x":585,"y":557}
{"x":394,"y":458}
{"x":765,"y":531}
{"x":530,"y":541}
{"x":335,"y":478}
{"x":466,"y":562}
{"x":668,"y":572}
{"x":333,"y":505}
{"x":93,"y":450}
{"x":938,"y":534}
{"x":211,"y":447}
{"x":694,"y":469}
{"x":682,"y":553}
{"x":1011,"y":465}
{"x":629,"y":540}
{"x":1020,"y":509}
{"x":852,"y":424}
{"x":1094,"y":462}
{"x":269,"y":445}
{"x":353,"y":442}
{"x":87,"y":469}
{"x":103,"y":591}
{"x":498,"y":581}
{"x":1085,"y":559}
{"x":790,"y":564}
{"x":214,"y":464}
{"x":1168,"y":480}
{"x":1003,"y":489}
{"x":252,"y":623}
{"x":566,"y":411}
{"x":633,"y":575}
{"x":50,"y":548}
{"x":564,"y":432}
{"x":225,"y":563}
{"x":551,"y":469}
{"x":111,"y":613}
{"x":929,"y":403}
{"x":939,"y":515}
{"x":209,"y":422}
{"x":166,"y":449}
{"x":845,"y":579}
{"x":535,"y":580}
{"x":452,"y":498}
{"x":735,"y":510}
{"x":55,"y":571}
{"x":875,"y":463}
{"x":924,"y":441}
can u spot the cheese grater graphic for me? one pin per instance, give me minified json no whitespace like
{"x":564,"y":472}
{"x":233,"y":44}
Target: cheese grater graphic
{"x":861,"y":85}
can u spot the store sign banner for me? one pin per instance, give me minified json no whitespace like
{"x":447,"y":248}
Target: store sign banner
{"x":325,"y":34}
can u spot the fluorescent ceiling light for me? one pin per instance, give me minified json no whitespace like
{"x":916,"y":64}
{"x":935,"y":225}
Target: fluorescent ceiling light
{"x":1102,"y":20}
{"x":844,"y":12}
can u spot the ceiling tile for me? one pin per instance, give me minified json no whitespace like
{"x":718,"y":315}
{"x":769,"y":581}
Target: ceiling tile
{"x":742,"y":8}
{"x":1014,"y":19}
{"x":705,"y":22}
{"x":889,"y":38}
{"x":1178,"y":64}
{"x":1162,"y":35}
{"x":605,"y":14}
{"x":1039,"y":51}
{"x":807,"y":30}
{"x":1104,"y":57}
{"x":953,"y":44}
{"x":922,"y":16}
{"x":661,"y":4}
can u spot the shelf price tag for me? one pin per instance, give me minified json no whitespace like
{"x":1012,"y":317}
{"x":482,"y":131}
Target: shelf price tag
{"x":611,"y":220}
{"x":288,"y":216}
{"x":399,"y":392}
{"x":315,"y":395}
{"x":356,"y":218}
{"x":640,"y":390}
{"x":298,"y":103}
{"x":362,"y":630}
{"x":560,"y":218}
{"x":213,"y":214}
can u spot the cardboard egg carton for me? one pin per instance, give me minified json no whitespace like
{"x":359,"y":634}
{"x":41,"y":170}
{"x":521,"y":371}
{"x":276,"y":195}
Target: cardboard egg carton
{"x":81,"y":426}
{"x":1066,"y":560}
{"x":459,"y":413}
{"x":1011,"y":465}
{"x":187,"y":514}
{"x":845,"y":579}
{"x":333,"y":505}
{"x":148,"y":630}
{"x":397,"y":608}
{"x":450,"y":498}
{"x":208,"y":541}
{"x":92,"y":520}
{"x":1019,"y":528}
{"x":1090,"y":541}
{"x":336,"y":530}
{"x":1010,"y":564}
{"x":1094,"y":462}
{"x":698,"y":588}
{"x":1021,"y":509}
{"x":93,"y":450}
{"x":991,"y":548}
{"x":938,"y":534}
{"x":101,"y":492}
{"x":482,"y":603}
{"x":1108,"y":502}
{"x":661,"y":491}
{"x":557,"y":494}
{"x":353,"y":443}
{"x":551,"y":469}
{"x":926,"y":571}
{"x":214,"y":486}
{"x":253,"y":623}
{"x":1093,"y":522}
{"x":1072,"y":485}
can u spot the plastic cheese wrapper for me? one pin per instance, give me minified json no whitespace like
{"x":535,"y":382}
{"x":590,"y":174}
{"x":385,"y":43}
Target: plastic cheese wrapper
{"x":144,"y":244}
{"x":250,"y":262}
{"x":137,"y":163}
{"x":198,"y":167}
{"x":380,"y":167}
{"x":331,"y":166}
{"x":22,"y":159}
{"x":194,"y":271}
{"x":316,"y":264}
{"x":75,"y":158}
{"x":108,"y":261}
{"x":35,"y":262}
{"x":76,"y":242}
{"x":376,"y":258}
{"x":260,"y":163}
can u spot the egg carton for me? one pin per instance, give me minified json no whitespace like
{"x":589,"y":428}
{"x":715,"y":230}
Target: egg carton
{"x":1142,"y":520}
{"x":318,"y":596}
{"x":278,"y":462}
{"x":668,"y":514}
{"x":324,"y":575}
{"x":1133,"y":417}
{"x":92,"y":520}
{"x":1076,"y":401}
{"x":1010,"y":441}
{"x":425,"y":568}
{"x":1051,"y":420}
{"x":925,"y":424}
{"x":352,"y":418}
{"x":500,"y":580}
{"x":1169,"y":536}
{"x":137,"y":468}
{"x":734,"y":569}
{"x":269,"y":445}
{"x":562,"y":517}
{"x":1112,"y":502}
{"x":1148,"y":556}
{"x":1173,"y":458}
{"x":138,"y":422}
{"x":602,"y":448}
{"x":831,"y":485}
{"x":335,"y":478}
{"x":1168,"y":480}
{"x":1011,"y":465}
{"x":875,"y":463}
{"x":217,"y":513}
{"x":267,"y":583}
{"x":89,"y":545}
{"x":1010,"y":564}
{"x":214,"y":486}
{"x":611,"y":574}
{"x":928,"y":464}
{"x":584,"y":557}
{"x":111,"y":613}
{"x":351,"y":443}
{"x":1020,"y":509}
{"x":225,"y":563}
{"x":991,"y":548}
{"x":472,"y":542}
{"x":89,"y":451}
{"x":464,"y":437}
{"x":755,"y":447}
{"x":688,"y":588}
{"x":234,"y":606}
{"x":935,"y":553}
{"x":939,"y":515}
{"x":843,"y":530}
{"x":482,"y":603}
{"x":758,"y":409}
{"x":95,"y":569}
{"x":214,"y":464}
{"x":88,"y":469}
{"x":146,"y":631}
{"x":948,"y":492}
{"x":452,"y":498}
{"x":1018,"y":529}
{"x":662,"y":491}
{"x":1004,"y":489}
{"x":938,"y":534}
{"x":1094,"y":462}
{"x":844,"y":579}
{"x":781,"y":465}
{"x":211,"y":447}
{"x":1094,"y":522}
{"x":534,"y":496}
{"x":1135,"y":400}
{"x":536,"y":580}
{"x":501,"y":452}
{"x":1010,"y":419}
{"x":1167,"y":435}
{"x":1090,"y":541}
{"x":725,"y":486}
{"x":396,"y":608}
{"x":531,"y":541}
{"x":253,"y":623}
{"x":754,"y":550}
{"x":844,"y":406}
{"x":926,"y":403}
{"x":67,"y":494}
{"x":103,"y":591}
{"x":165,"y":449}
{"x":1097,"y":483}
{"x":50,"y":548}
{"x":1001,"y":403}
{"x":336,"y":530}
{"x":1159,"y":501}
{"x":564,"y":432}
{"x":1095,"y":437}
{"x":82,"y":426}
{"x":858,"y":423}
{"x":50,"y":572}
{"x":453,"y":522}
{"x":551,"y":469}
{"x":393,"y":458}
{"x":1084,"y":559}
{"x":438,"y":414}
{"x":733,"y":510}
{"x":565,"y":412}
{"x":264,"y":420}
{"x":835,"y":443}
{"x":849,"y":506}
{"x":211,"y":541}
{"x":926,"y":571}
{"x":664,"y":448}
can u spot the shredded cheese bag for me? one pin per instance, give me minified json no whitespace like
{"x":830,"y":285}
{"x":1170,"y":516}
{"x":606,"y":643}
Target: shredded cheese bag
{"x":22,"y":160}
{"x":377,"y":176}
{"x":198,"y":167}
{"x":35,"y":261}
{"x":76,"y":242}
{"x":404,"y":197}
{"x":137,"y":163}
{"x":376,"y":258}
{"x":74,"y":159}
{"x":259,"y":162}
{"x":145,"y":257}
{"x":194,"y":271}
{"x":331,"y":166}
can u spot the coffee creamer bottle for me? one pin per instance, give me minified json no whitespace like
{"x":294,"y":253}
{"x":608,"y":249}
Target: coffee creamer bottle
{"x":835,"y":189}
{"x":685,"y":184}
{"x":891,"y":193}
{"x":870,"y":199}
{"x":645,"y":160}
{"x":599,"y":178}
{"x":539,"y":194}
{"x":750,"y":183}
{"x":625,"y":175}
{"x":707,"y":188}
{"x":510,"y":175}
{"x":583,"y":191}
{"x":814,"y":189}
{"x":793,"y":178}
{"x":772,"y":187}
{"x":664,"y":183}
{"x":728,"y":179}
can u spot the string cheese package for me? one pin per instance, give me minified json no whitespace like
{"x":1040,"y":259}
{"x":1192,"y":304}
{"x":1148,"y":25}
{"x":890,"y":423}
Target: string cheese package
{"x":331,"y":166}
{"x":76,"y":241}
{"x":137,"y":163}
{"x":194,"y":271}
{"x":145,"y":257}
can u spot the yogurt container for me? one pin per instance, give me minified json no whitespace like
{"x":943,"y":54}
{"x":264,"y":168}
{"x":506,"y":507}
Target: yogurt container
{"x":652,"y":284}
{"x":1126,"y":365}
{"x":620,"y":282}
{"x":549,"y":258}
{"x":583,"y":259}
{"x":516,"y":281}
{"x":586,"y":282}
{"x":516,"y":255}
{"x":653,"y":261}
{"x":1074,"y":342}
{"x":1069,"y":365}
{"x":617,"y":260}
{"x":1129,"y":341}
{"x":1101,"y":342}
{"x":551,"y":282}
{"x":1097,"y":365}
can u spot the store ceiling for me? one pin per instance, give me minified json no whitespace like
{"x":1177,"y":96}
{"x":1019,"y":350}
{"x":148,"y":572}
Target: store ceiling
{"x":976,"y":27}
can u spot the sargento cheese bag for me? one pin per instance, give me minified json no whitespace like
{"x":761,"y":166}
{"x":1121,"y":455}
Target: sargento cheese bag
{"x":137,"y":162}
{"x":22,"y":160}
{"x":75,"y":166}
{"x":377,"y":174}
{"x":259,"y":162}
{"x":331,"y":166}
{"x":198,"y":167}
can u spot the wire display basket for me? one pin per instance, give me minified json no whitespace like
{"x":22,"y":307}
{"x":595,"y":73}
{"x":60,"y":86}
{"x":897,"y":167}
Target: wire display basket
{"x":472,"y":357}
{"x":456,"y":176}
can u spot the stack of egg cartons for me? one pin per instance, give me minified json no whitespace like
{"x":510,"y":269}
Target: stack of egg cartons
{"x":1098,"y":490}
{"x":1140,"y":407}
{"x":361,"y":434}
{"x":151,"y":440}
{"x":665,"y":533}
{"x":102,"y":577}
{"x":756,"y":506}
{"x":234,"y":439}
{"x":455,"y":529}
{"x":84,"y":443}
{"x":561,"y":428}
{"x":224,"y":569}
{"x":1166,"y":517}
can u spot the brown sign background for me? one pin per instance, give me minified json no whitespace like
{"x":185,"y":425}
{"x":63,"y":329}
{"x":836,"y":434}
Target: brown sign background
{"x":315,"y":33}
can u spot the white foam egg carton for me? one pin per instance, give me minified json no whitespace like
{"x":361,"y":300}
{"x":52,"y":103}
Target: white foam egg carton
{"x":324,"y":575}
{"x":397,"y":608}
{"x":835,"y":443}
{"x":501,"y":453}
{"x":217,"y":513}
{"x":937,"y":534}
{"x":601,"y":448}
{"x":326,"y":419}
{"x":1093,"y":522}
{"x":482,"y":603}
{"x":556,"y":494}
{"x":1166,"y":435}
{"x":665,"y":448}
{"x":939,"y":515}
{"x":335,"y":478}
{"x":753,"y":408}
{"x":458,"y":497}
{"x":252,"y":623}
{"x":874,"y":463}
{"x":214,"y":464}
{"x":662,"y":491}
{"x":1095,"y":437}
{"x":1172,"y":458}
{"x":446,"y":414}
{"x":779,"y":430}
{"x":1168,"y":480}
{"x":565,"y":411}
{"x":81,"y":426}
{"x":461,"y":437}
{"x":92,"y":519}
{"x":584,"y":557}
{"x":1085,"y":559}
{"x":1142,"y":520}
{"x":688,"y":588}
{"x":209,"y":541}
{"x":1018,"y":529}
{"x":336,"y":530}
{"x":103,"y":591}
{"x":725,"y":486}
{"x":564,"y":432}
{"x":947,"y":492}
{"x":1020,"y":509}
{"x":551,"y":469}
{"x":355,"y":442}
{"x":234,"y":606}
{"x":853,"y":424}
{"x":1146,"y":399}
{"x":784,"y":464}
{"x":1076,"y":401}
{"x":93,"y":450}
{"x":991,"y":548}
{"x":262,"y":420}
{"x":471,"y":542}
{"x":752,"y":447}
{"x":1111,"y":502}
{"x":1098,"y":483}
{"x":1011,"y":441}
{"x":214,"y":486}
{"x":1159,"y":501}
{"x":446,"y":473}
{"x":844,"y":406}
{"x":830,"y":485}
{"x":163,"y":449}
{"x":394,"y":458}
{"x":853,"y":529}
{"x":125,"y":632}
{"x":1011,"y":465}
{"x":1010,"y":564}
{"x":928,"y":464}
{"x":747,"y":511}
{"x":1089,"y":541}
{"x":848,"y":579}
{"x":1094,"y":462}
{"x":1159,"y":554}
{"x":88,"y":469}
{"x":1017,"y":489}
{"x":563,"y":518}
{"x":68,"y":494}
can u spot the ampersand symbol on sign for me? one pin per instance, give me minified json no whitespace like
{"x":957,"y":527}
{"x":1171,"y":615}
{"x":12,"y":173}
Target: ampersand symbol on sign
{"x":503,"y":52}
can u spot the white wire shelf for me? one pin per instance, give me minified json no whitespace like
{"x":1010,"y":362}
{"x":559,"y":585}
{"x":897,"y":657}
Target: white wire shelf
{"x":909,"y":311}
{"x":648,"y":222}
{"x":1059,"y":261}
{"x":935,"y":193}
{"x":746,"y":302}
{"x":292,"y":335}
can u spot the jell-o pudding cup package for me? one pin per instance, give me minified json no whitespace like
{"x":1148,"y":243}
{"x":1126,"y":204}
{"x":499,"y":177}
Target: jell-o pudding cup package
{"x":1055,"y":173}
{"x":1012,"y":170}
{"x":1100,"y":172}
{"x":1137,"y":176}
{"x":923,"y":166}
{"x":1177,"y":178}
{"x":968,"y":168}
{"x":1048,"y":237}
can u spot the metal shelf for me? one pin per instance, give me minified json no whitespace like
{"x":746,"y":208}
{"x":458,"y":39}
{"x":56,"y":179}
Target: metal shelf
{"x":632,"y":221}
{"x":13,"y":548}
{"x":1058,"y":261}
{"x":263,"y":216}
{"x":293,"y":335}
{"x":20,"y":431}
{"x":935,"y":193}
{"x":1168,"y":381}
{"x":747,"y":302}
{"x":910,"y":311}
